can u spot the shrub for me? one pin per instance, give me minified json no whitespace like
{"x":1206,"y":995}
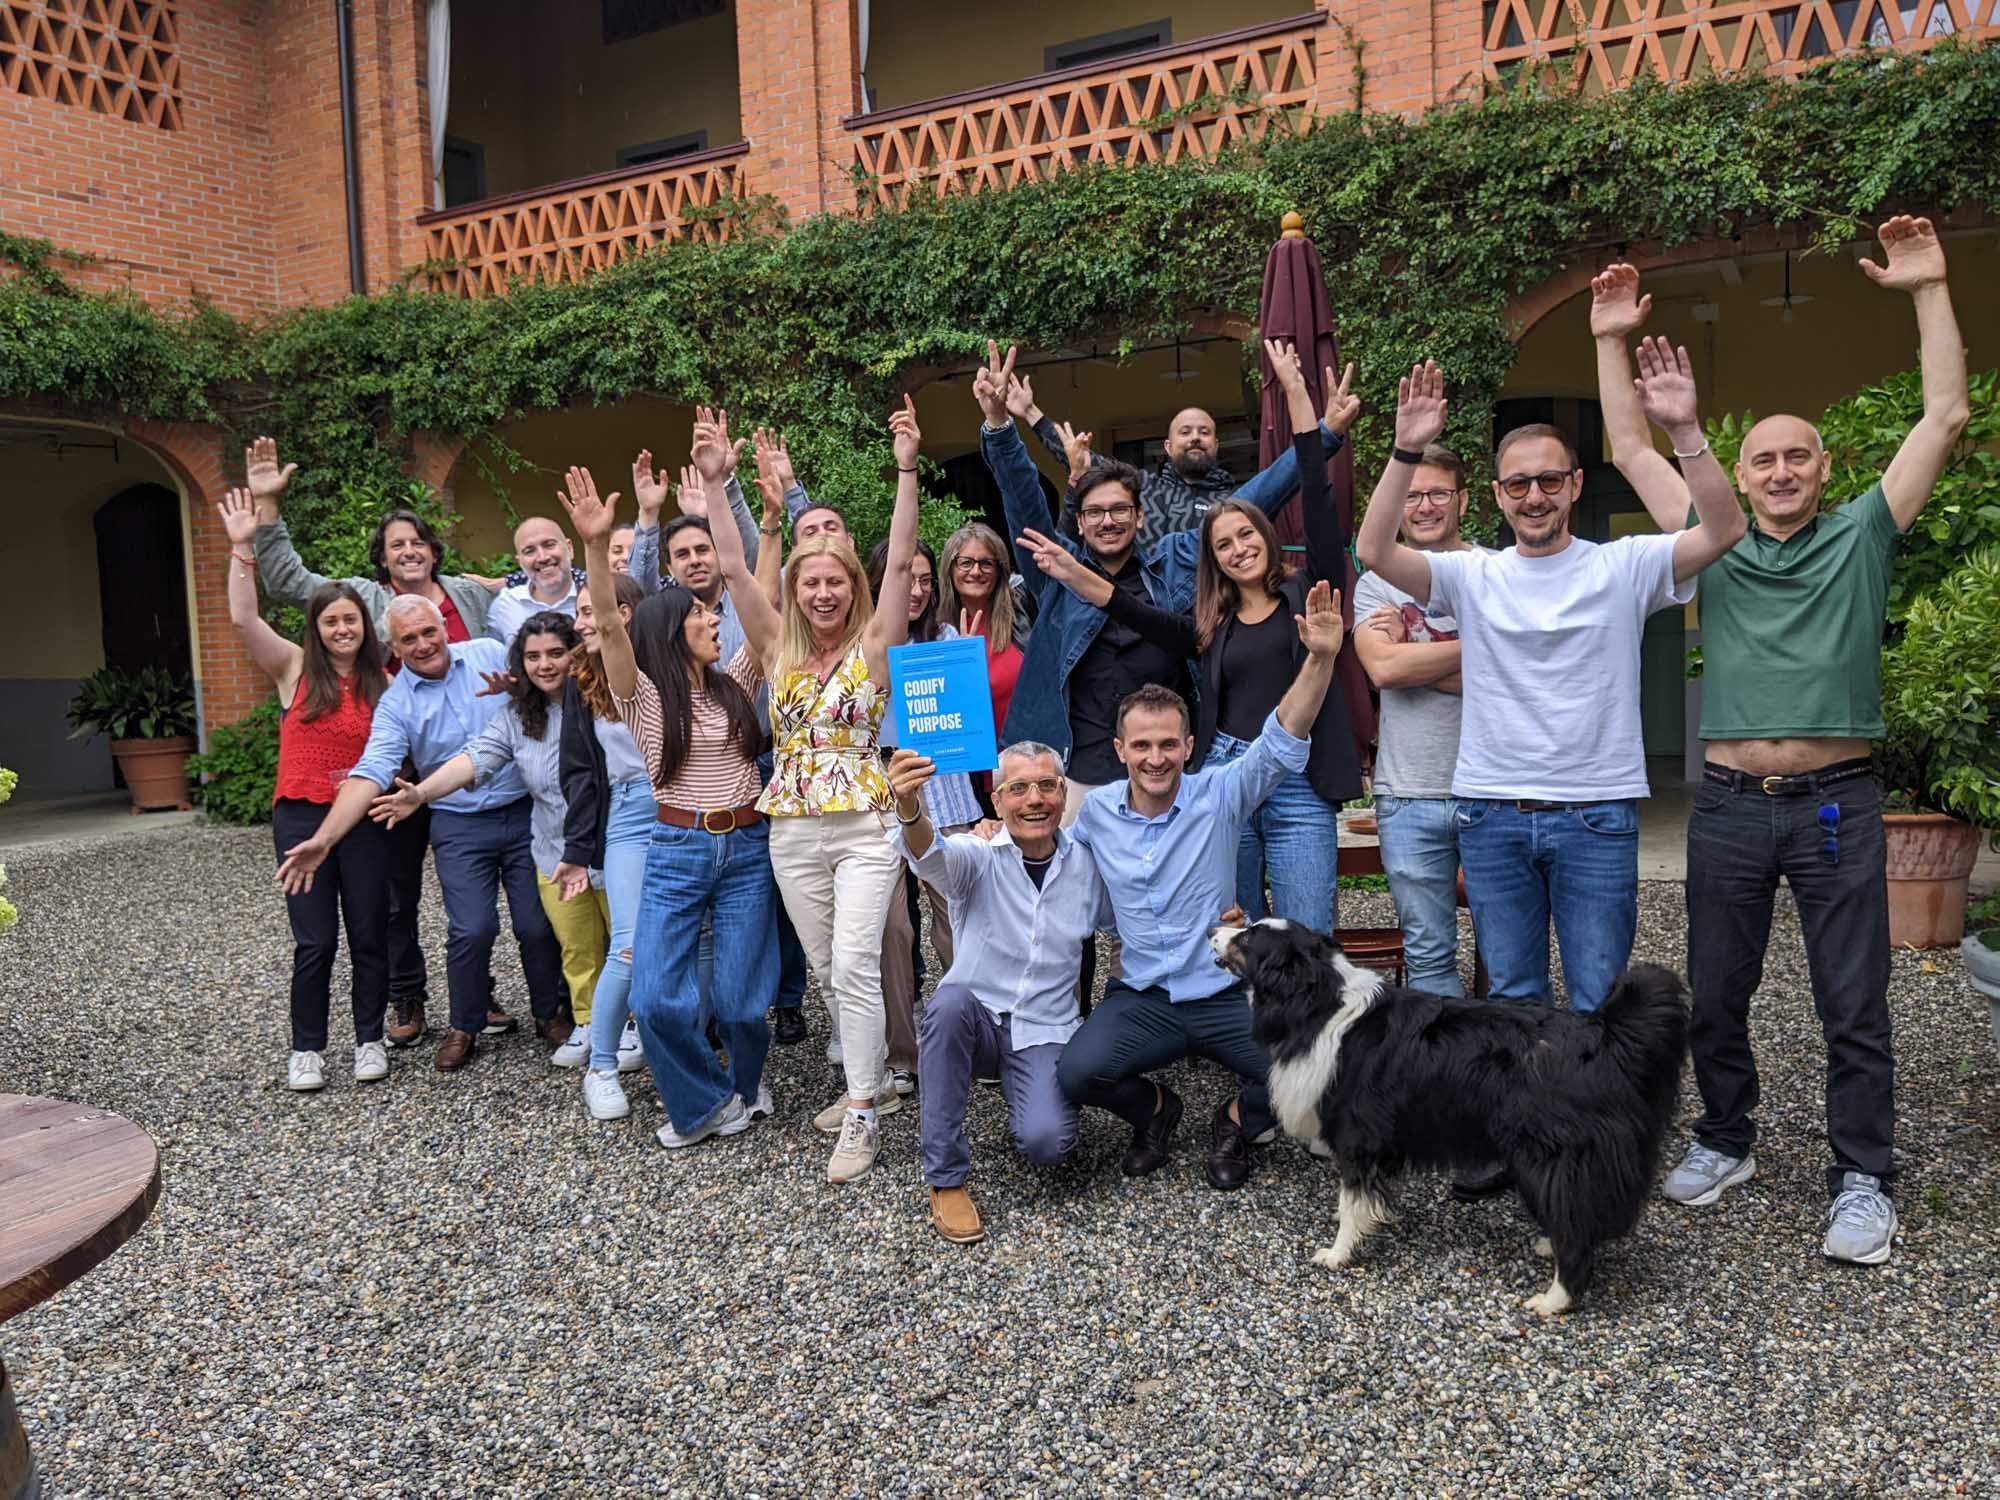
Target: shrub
{"x":235,"y":779}
{"x":1941,"y":696}
{"x":153,"y":704}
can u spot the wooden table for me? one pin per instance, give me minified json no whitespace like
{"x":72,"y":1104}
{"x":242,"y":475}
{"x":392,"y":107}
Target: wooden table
{"x":75,"y":1184}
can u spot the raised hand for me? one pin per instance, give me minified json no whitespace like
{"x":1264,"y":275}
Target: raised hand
{"x":1057,"y":561}
{"x":714,"y":454}
{"x":774,"y":458}
{"x":1284,"y":358}
{"x":1342,"y":405}
{"x":1076,"y":449}
{"x":989,"y":385}
{"x":571,"y":880}
{"x":1666,"y":387}
{"x":693,"y":497}
{"x":649,"y":487}
{"x":295,"y":873}
{"x":1320,"y":630}
{"x":908,"y":771}
{"x":261,"y":472}
{"x":1020,"y":398}
{"x":1616,"y":308}
{"x":498,"y":684}
{"x":239,"y":516}
{"x":397,"y":806}
{"x":594,"y":519}
{"x":904,"y":433}
{"x":1914,"y":254}
{"x":1420,"y":407}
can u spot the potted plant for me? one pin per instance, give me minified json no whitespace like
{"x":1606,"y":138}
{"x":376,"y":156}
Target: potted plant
{"x":1980,"y":948}
{"x":1941,"y":756}
{"x":149,"y":716}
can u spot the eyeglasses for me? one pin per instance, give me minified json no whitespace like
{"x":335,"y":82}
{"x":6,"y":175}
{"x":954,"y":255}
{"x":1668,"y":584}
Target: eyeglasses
{"x":974,"y":565}
{"x":1829,"y":824}
{"x":922,"y":584}
{"x":1096,"y":516}
{"x":1048,"y":786}
{"x":1418,"y":499}
{"x":1549,"y":482}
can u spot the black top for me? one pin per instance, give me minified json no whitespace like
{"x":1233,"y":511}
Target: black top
{"x":1256,"y":670}
{"x":1038,"y":869}
{"x":586,"y":783}
{"x":1120,"y":661}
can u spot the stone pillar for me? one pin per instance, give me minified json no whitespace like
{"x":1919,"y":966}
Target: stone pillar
{"x":800,"y":75}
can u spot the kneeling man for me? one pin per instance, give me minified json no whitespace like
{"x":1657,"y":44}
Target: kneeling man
{"x":1021,"y":908}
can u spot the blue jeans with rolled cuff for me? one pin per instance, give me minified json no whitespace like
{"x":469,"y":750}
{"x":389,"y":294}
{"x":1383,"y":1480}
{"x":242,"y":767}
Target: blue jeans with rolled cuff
{"x":1419,"y":837}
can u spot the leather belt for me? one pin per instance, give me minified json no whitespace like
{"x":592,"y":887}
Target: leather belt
{"x":717,"y":820}
{"x":1530,"y":805}
{"x":1803,"y":783}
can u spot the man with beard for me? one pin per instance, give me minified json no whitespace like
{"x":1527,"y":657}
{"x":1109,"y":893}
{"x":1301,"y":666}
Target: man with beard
{"x":547,"y":558}
{"x":1551,"y":758}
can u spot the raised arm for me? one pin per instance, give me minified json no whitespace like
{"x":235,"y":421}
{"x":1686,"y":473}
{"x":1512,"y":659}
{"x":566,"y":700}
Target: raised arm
{"x":649,"y":488}
{"x":1617,"y":311}
{"x":1273,"y":485}
{"x":1326,"y":547}
{"x":1007,"y":460}
{"x":594,"y":520}
{"x":1320,"y":632}
{"x":1916,"y":265}
{"x":1665,"y":389}
{"x":890,"y":625}
{"x":276,"y":657}
{"x":286,"y":578}
{"x":1420,"y":414}
{"x":758,"y":615}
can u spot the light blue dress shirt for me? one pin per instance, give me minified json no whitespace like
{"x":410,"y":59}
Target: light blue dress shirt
{"x":431,"y":720}
{"x":512,"y":606}
{"x":1015,"y":947}
{"x":1172,"y":877}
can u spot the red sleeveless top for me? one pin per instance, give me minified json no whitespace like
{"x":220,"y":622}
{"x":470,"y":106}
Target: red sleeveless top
{"x":314,"y":756}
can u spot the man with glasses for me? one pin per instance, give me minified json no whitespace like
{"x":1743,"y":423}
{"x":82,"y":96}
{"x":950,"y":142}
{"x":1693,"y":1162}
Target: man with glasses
{"x":1792,"y":622}
{"x":1411,"y":653}
{"x":1022,"y":907}
{"x":1551,"y":759}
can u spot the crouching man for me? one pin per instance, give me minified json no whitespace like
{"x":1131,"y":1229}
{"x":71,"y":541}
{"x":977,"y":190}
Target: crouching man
{"x":1022,"y":907}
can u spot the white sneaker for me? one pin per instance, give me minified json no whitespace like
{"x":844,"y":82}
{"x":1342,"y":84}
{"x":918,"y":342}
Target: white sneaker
{"x":306,"y":1073}
{"x":574,"y":1053}
{"x":905,"y":1082}
{"x":630,"y":1056}
{"x":829,"y":1119}
{"x":855,"y":1152}
{"x":371,"y":1062}
{"x":730,"y":1118}
{"x":763,"y":1109}
{"x":604,"y":1096}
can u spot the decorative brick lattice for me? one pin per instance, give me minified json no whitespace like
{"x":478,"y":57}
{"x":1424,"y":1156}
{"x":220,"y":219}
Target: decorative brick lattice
{"x":1176,"y":104}
{"x":116,"y":57}
{"x":1610,"y":43}
{"x":564,"y":232}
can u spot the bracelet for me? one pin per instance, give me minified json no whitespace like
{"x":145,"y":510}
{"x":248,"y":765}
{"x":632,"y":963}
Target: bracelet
{"x":1697,"y":452}
{"x":248,"y":562}
{"x":901,"y":470}
{"x":910,"y":822}
{"x":771,"y":530}
{"x":1405,"y":456}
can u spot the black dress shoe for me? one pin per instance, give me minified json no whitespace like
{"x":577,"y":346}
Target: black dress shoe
{"x":1228,"y":1154}
{"x":788,"y":1025}
{"x":1148,"y":1152}
{"x":1490,"y":1183}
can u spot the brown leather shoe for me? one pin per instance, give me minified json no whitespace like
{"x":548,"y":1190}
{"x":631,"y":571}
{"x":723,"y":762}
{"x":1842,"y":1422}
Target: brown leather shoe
{"x":954,"y":1217}
{"x":455,"y":1051}
{"x":408,"y":1027}
{"x":499,"y":1022}
{"x":555,"y":1030}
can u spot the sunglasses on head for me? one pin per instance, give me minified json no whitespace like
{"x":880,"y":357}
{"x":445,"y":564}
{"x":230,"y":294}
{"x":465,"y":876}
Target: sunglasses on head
{"x":1549,"y":482}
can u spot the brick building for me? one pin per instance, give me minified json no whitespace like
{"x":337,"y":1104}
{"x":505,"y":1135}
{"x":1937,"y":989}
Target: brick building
{"x":201,"y":148}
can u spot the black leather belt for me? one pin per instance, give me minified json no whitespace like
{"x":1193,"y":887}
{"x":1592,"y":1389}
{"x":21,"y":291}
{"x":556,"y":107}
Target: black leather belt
{"x":1804,"y":783}
{"x":1530,"y":805}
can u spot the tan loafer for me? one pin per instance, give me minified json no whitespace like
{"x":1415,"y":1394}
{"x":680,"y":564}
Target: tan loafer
{"x":954,"y":1217}
{"x":455,"y":1051}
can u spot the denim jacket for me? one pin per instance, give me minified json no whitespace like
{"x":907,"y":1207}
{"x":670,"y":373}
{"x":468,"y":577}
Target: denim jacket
{"x":1065,"y":626}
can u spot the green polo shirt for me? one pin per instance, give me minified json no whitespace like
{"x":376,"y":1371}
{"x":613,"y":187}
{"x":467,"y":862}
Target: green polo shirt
{"x":1791,"y":631}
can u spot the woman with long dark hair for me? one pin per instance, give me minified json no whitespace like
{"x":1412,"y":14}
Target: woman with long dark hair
{"x":327,"y":690}
{"x":709,"y":855}
{"x":1247,"y":652}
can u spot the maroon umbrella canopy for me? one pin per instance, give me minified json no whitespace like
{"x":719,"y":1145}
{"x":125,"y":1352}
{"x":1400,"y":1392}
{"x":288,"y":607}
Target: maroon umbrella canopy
{"x":1294,"y":306}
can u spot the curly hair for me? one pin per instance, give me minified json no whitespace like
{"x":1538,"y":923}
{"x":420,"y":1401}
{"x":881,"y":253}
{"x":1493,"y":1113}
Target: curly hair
{"x":529,"y":703}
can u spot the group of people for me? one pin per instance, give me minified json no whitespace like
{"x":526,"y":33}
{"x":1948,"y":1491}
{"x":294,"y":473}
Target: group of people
{"x":675,"y":762}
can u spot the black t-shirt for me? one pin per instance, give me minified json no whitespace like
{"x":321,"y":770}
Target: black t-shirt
{"x":1038,"y":869}
{"x":1119,"y":661}
{"x":1256,"y":670}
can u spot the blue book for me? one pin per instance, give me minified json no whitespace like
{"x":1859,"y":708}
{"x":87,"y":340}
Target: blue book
{"x":943,"y":703}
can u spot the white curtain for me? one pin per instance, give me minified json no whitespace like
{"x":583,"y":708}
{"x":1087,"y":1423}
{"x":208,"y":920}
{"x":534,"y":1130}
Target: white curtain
{"x":440,"y":87}
{"x":861,"y":37}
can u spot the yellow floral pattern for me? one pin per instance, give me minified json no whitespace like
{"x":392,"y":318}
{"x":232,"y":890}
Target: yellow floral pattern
{"x":827,"y":739}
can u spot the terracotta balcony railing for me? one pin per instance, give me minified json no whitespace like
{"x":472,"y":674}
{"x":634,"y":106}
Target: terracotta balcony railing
{"x":1172,"y":104}
{"x":569,"y":229}
{"x":1610,"y":43}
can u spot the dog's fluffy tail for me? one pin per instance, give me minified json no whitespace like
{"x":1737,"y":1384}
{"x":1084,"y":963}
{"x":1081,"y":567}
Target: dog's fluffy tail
{"x":1645,"y":1021}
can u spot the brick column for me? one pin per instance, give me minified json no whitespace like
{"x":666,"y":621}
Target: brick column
{"x":799,"y":75}
{"x":1414,"y":54}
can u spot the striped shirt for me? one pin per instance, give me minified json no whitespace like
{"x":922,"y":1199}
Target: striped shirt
{"x":716,"y":774}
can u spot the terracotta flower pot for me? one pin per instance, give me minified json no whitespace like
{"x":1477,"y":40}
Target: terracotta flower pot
{"x":155,"y":772}
{"x":1930,"y":857}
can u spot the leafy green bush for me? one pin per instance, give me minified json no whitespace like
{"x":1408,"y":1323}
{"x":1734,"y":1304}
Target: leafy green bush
{"x":235,"y":779}
{"x":1941,"y":696}
{"x":153,"y":704}
{"x":8,"y":911}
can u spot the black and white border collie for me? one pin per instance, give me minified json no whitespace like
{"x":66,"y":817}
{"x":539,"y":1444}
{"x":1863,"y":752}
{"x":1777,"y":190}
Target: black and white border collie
{"x":1381,"y":1078}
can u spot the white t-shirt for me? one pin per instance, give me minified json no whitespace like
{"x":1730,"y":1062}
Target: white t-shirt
{"x":1550,"y":660}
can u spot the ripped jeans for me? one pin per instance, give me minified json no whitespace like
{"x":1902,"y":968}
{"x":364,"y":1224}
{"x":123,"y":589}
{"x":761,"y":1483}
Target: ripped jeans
{"x":627,"y":833}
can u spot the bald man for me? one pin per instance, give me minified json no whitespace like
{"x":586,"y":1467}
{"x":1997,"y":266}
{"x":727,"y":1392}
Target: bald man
{"x":547,"y":559}
{"x":1792,"y":622}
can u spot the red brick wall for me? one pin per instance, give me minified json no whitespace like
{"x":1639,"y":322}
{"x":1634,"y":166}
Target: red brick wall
{"x":799,"y":76}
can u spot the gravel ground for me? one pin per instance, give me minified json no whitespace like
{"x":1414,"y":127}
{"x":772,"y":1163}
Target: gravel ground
{"x":460,"y":1286}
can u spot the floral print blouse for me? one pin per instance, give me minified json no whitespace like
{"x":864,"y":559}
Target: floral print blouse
{"x":826,"y":743}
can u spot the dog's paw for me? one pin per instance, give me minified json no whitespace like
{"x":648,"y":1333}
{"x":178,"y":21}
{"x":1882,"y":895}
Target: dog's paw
{"x":1333,"y":1257}
{"x":1550,"y":1303}
{"x":1543,"y":1248}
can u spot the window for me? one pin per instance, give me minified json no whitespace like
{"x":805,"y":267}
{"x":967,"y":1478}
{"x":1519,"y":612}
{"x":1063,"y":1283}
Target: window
{"x":464,"y":172}
{"x":1108,"y":44}
{"x":625,"y":19}
{"x":673,"y":145}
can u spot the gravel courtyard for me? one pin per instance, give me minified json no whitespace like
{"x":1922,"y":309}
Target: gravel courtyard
{"x":460,"y":1286}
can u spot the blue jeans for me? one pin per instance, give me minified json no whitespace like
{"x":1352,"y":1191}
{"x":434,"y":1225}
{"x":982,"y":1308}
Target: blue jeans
{"x":1579,"y":864}
{"x":1294,"y":835}
{"x":726,"y":879}
{"x":1420,"y":856}
{"x":628,"y":832}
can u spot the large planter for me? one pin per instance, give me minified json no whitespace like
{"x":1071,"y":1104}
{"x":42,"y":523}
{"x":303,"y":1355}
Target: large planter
{"x":1930,"y":859}
{"x":1982,"y":966}
{"x":155,"y":772}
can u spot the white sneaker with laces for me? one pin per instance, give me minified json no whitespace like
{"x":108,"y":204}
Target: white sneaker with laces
{"x":854,"y":1152}
{"x":631,"y":1058}
{"x":1861,"y":1223}
{"x":305,"y":1073}
{"x":371,"y":1062}
{"x":604,"y":1096}
{"x":763,"y":1108}
{"x":1705,"y":1174}
{"x":730,"y":1118}
{"x":574,"y":1053}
